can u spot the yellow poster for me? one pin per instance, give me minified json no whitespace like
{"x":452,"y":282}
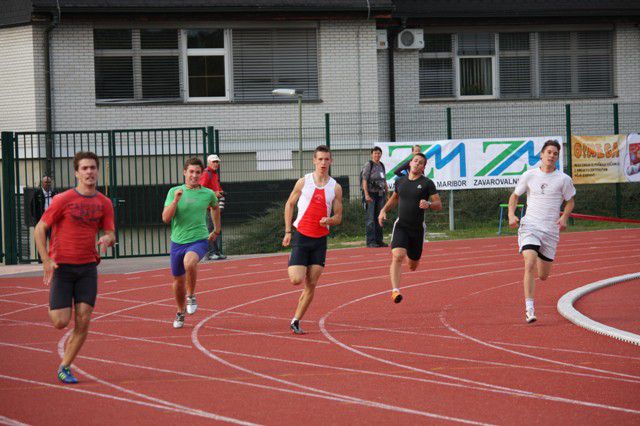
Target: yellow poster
{"x":605,"y":159}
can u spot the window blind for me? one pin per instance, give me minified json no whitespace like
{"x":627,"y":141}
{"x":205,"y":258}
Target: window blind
{"x":515,"y":70}
{"x":267,"y":59}
{"x":476,"y":44}
{"x":576,"y":63}
{"x":436,"y":78}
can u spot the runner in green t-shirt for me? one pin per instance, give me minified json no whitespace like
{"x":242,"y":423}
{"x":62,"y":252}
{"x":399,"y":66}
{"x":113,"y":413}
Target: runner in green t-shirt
{"x":186,"y":208}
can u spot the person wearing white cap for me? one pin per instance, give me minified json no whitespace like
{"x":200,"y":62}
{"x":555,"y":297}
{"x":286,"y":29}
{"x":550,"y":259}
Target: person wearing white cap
{"x":210,"y":178}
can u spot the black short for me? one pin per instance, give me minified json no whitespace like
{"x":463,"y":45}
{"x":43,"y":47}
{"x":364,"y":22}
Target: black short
{"x":74,"y":283}
{"x":410,"y":239}
{"x":306,"y":251}
{"x":535,"y":248}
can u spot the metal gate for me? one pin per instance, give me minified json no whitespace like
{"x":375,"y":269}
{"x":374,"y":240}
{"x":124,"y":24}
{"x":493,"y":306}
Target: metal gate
{"x":137,"y":168}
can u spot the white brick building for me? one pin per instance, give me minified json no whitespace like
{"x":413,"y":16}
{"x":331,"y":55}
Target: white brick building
{"x":344,"y":74}
{"x":345,"y":70}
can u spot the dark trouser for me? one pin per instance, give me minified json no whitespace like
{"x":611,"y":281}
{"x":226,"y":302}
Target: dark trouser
{"x":374,"y":230}
{"x":215,"y":247}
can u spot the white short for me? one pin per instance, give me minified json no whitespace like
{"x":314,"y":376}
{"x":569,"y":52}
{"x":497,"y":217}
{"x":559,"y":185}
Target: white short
{"x":547,"y":242}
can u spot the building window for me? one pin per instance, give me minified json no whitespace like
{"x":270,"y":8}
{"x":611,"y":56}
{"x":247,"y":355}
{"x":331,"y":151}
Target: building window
{"x":266,"y":59}
{"x":151,"y":65}
{"x":517,"y":65}
{"x":207,"y":64}
{"x":136,"y":65}
{"x":476,"y":57}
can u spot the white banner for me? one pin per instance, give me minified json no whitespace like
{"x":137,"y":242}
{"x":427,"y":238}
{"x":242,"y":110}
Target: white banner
{"x":470,"y":163}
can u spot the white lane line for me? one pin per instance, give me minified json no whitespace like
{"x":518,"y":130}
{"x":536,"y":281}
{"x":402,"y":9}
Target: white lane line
{"x":142,"y":339}
{"x":547,"y":348}
{"x":396,"y":331}
{"x":13,"y":345}
{"x":25,"y":292}
{"x":344,"y":398}
{"x":11,"y":422}
{"x":155,"y":401}
{"x":515,"y":391}
{"x":260,"y":386}
{"x":526,"y":355}
{"x":495,"y":363}
{"x":189,"y":411}
{"x":17,"y":302}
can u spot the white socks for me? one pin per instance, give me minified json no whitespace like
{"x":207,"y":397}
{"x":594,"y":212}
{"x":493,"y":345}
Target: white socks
{"x":528,"y":303}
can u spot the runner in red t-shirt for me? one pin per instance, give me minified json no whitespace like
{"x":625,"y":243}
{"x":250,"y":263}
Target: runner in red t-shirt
{"x":70,"y":265}
{"x":316,"y":195}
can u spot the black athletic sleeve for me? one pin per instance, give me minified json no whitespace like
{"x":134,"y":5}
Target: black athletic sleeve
{"x":431,"y":189}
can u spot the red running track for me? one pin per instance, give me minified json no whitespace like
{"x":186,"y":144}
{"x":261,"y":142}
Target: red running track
{"x":456,"y":350}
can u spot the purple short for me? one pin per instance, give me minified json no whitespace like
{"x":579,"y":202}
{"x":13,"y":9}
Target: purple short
{"x":178,"y":251}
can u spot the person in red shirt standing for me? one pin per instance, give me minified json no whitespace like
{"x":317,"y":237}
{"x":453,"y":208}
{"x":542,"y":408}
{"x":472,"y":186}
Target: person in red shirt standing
{"x":210,"y":178}
{"x":70,"y":264}
{"x":316,"y":195}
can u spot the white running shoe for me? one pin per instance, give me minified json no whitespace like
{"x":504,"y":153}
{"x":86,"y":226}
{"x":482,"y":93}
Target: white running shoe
{"x":192,"y":305}
{"x":530,"y":316}
{"x":179,"y":321}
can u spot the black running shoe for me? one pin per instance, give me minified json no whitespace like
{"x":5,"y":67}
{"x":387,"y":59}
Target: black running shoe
{"x":295,"y":328}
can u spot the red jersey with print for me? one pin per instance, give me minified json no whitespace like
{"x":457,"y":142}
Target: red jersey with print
{"x":210,"y":179}
{"x":314,"y":204}
{"x":74,"y":220}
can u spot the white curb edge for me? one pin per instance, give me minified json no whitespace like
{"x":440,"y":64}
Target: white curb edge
{"x":566,"y":309}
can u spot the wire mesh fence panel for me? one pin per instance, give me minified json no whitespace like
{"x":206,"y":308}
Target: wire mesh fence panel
{"x":261,"y":161}
{"x":145,"y":164}
{"x":40,"y":154}
{"x":137,"y":167}
{"x":629,"y":118}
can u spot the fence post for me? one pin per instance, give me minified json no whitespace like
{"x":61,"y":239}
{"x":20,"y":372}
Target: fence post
{"x":567,"y":125}
{"x":1,"y":239}
{"x":567,"y":118}
{"x":8,"y":196}
{"x":216,"y":141}
{"x":616,"y":131}
{"x":327,"y":129}
{"x":210,"y":149}
{"x":113,"y":193}
{"x":452,"y":225}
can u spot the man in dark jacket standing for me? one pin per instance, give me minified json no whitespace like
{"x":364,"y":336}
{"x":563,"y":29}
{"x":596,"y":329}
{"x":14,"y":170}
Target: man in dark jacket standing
{"x":42,"y":198}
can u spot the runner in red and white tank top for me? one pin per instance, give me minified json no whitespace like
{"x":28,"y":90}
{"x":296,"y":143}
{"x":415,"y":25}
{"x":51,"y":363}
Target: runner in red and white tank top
{"x":314,"y":204}
{"x":317,"y":196}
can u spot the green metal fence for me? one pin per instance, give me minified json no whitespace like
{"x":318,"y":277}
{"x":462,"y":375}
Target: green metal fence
{"x":260,"y":165}
{"x":137,"y":167}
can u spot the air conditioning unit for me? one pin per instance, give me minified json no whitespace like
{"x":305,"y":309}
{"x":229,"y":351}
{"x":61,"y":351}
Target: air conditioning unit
{"x":381,"y":39}
{"x":412,"y":38}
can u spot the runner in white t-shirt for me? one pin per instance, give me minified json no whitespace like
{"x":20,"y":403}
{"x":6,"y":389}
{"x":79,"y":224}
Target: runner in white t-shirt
{"x":547,"y":188}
